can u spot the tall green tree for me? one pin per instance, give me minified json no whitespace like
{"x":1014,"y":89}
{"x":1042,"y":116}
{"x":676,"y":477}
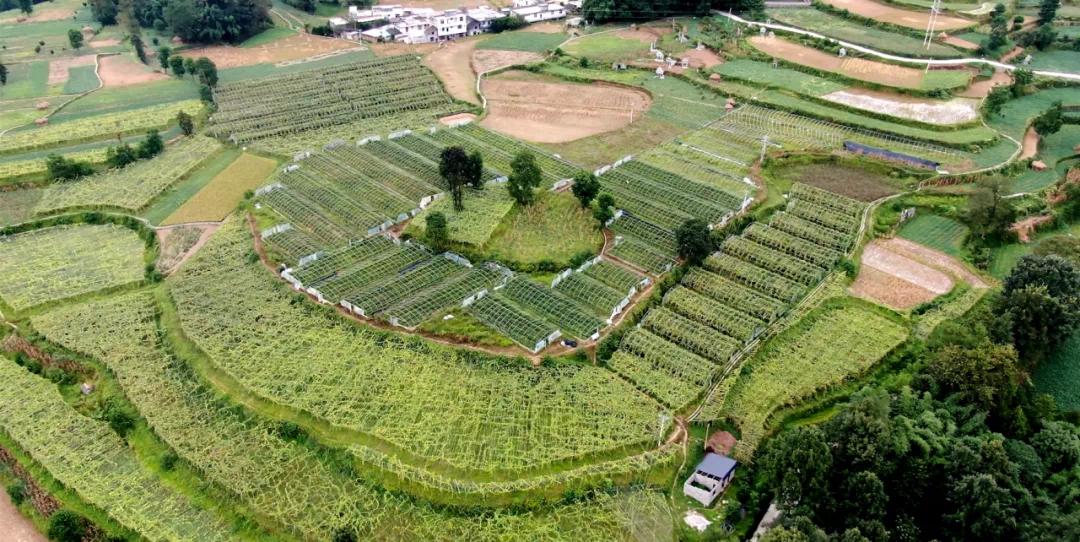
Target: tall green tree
{"x":476,"y":170}
{"x":1048,"y":10}
{"x":585,"y":188}
{"x":177,"y":63}
{"x":207,"y":71}
{"x":1050,"y":121}
{"x":692,"y":239}
{"x":151,"y":146}
{"x":26,"y":6}
{"x":604,"y":210}
{"x":525,"y":177}
{"x":62,"y":169}
{"x":3,"y":74}
{"x":989,"y":213}
{"x":186,"y":123}
{"x":105,"y":11}
{"x":796,"y":465}
{"x":454,"y":169}
{"x":436,"y":232}
{"x":140,"y":51}
{"x":75,"y":39}
{"x":163,"y":55}
{"x":67,"y":526}
{"x":987,"y":375}
{"x":995,"y":100}
{"x":1022,"y":77}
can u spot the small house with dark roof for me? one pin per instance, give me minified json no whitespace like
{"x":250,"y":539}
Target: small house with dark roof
{"x":710,"y":478}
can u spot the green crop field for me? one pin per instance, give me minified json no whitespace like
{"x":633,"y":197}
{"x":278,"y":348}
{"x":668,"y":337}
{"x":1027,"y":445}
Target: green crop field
{"x":132,"y":187}
{"x":87,"y":456}
{"x":484,"y":211}
{"x":57,"y":263}
{"x":861,"y":34}
{"x":1059,"y":376}
{"x":782,"y":78}
{"x":556,"y":228}
{"x":936,"y":232}
{"x":97,"y":127}
{"x":17,"y":205}
{"x":805,"y":360}
{"x":507,"y":423}
{"x":533,"y":42}
{"x":81,"y":79}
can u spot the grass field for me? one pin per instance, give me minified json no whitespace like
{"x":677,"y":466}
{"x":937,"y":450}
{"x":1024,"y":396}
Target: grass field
{"x":219,"y":198}
{"x":255,"y":71}
{"x":1005,"y":258}
{"x":555,"y":228}
{"x":1059,"y":376}
{"x":26,"y":80}
{"x":484,"y":211}
{"x":533,"y":42}
{"x":51,"y":264}
{"x":81,"y":79}
{"x":120,"y":99}
{"x":937,"y":232}
{"x":845,"y":178}
{"x":1062,"y":60}
{"x":607,"y":48}
{"x":267,"y":36}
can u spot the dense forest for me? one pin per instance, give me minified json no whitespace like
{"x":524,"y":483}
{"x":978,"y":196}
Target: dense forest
{"x":600,"y":11}
{"x":961,"y":446}
{"x":197,"y":21}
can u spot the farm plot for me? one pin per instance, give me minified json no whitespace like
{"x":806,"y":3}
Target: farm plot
{"x":88,"y":457}
{"x":870,"y":71}
{"x":917,"y":20}
{"x":281,"y":479}
{"x":532,"y":42}
{"x":955,"y":111}
{"x":100,"y":127}
{"x":292,"y":48}
{"x":484,"y":211}
{"x":793,"y":131}
{"x":327,"y":98}
{"x":222,"y":194}
{"x":897,"y":281}
{"x":803,"y":360}
{"x":754,"y":71}
{"x":18,"y":205}
{"x":499,"y":151}
{"x":398,"y":389}
{"x":126,"y":70}
{"x":133,"y":187}
{"x":553,"y":111}
{"x":554,"y":228}
{"x":860,"y":33}
{"x":750,"y":282}
{"x":937,"y":232}
{"x":51,"y":264}
{"x":18,"y":169}
{"x":552,"y":305}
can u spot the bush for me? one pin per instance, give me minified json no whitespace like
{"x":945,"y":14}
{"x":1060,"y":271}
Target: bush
{"x":17,"y":491}
{"x":117,"y":416}
{"x":66,"y":526}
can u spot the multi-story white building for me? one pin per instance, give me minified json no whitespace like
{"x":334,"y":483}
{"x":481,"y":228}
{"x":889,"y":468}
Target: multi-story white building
{"x":425,"y":25}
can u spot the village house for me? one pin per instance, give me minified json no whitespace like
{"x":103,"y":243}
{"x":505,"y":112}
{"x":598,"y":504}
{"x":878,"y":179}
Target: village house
{"x":426,"y":25}
{"x":710,"y":478}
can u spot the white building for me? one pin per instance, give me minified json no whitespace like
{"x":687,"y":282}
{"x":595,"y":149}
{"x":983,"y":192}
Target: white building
{"x":450,"y":24}
{"x":480,"y":19}
{"x":542,"y":12}
{"x":711,"y":477}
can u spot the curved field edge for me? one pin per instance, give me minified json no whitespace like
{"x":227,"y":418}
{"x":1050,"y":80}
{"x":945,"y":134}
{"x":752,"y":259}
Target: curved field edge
{"x":313,"y":325}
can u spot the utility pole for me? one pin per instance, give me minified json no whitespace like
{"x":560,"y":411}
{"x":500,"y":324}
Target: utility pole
{"x":931,"y":22}
{"x":764,"y":146}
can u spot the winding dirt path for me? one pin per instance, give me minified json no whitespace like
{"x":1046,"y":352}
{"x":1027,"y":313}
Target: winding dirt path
{"x":13,"y":526}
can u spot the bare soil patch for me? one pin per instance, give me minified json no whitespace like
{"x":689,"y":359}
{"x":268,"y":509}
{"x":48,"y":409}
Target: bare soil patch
{"x":104,"y":42}
{"x":486,"y":60}
{"x":979,"y":89}
{"x":122,"y":70}
{"x":896,"y":280}
{"x":887,"y":289}
{"x":549,"y":27}
{"x":452,"y":64}
{"x":644,"y":34}
{"x":58,"y":69}
{"x":856,"y":68}
{"x":14,"y":526}
{"x":936,"y":259}
{"x":178,"y":243}
{"x":454,"y":120}
{"x":1027,"y":226}
{"x":399,"y":48}
{"x":41,"y":14}
{"x":1031,"y":144}
{"x":1015,"y":52}
{"x":955,"y":111}
{"x":556,"y":112}
{"x":960,"y":43}
{"x":703,"y":58}
{"x":295,"y":47}
{"x":841,"y":178}
{"x":901,"y":17}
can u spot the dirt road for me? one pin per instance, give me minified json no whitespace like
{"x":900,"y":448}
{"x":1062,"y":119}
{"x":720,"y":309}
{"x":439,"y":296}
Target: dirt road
{"x":13,"y":526}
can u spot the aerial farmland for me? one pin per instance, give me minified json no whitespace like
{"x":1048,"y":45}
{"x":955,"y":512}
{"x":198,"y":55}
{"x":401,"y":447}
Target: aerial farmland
{"x":565,"y":270}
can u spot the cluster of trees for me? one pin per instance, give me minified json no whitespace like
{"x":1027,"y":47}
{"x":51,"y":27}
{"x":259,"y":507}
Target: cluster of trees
{"x":460,"y":169}
{"x":123,"y":154}
{"x":967,"y":451}
{"x":602,"y":11}
{"x":197,"y":21}
{"x":586,"y":189}
{"x":310,"y":5}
